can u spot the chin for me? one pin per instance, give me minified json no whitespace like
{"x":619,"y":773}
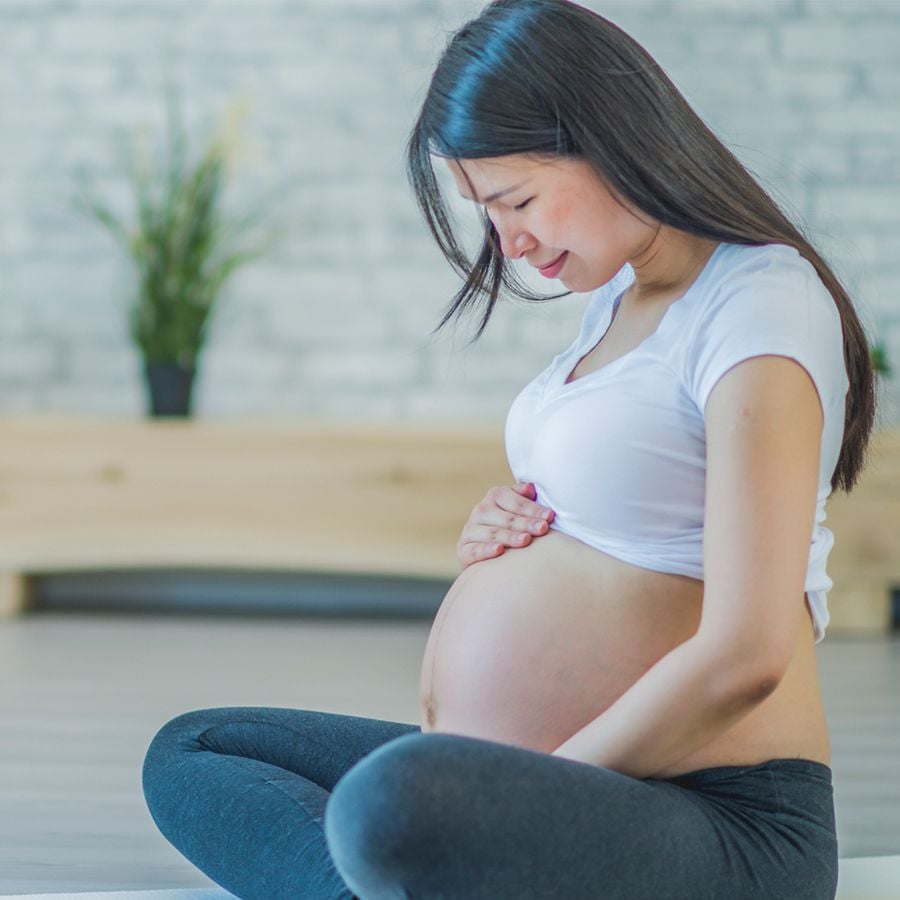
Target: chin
{"x":574,"y":283}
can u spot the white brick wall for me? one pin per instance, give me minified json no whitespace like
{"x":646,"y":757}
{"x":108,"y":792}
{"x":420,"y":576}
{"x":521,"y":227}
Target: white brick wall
{"x":337,"y":322}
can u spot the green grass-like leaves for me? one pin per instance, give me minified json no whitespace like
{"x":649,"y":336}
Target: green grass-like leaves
{"x":183,"y":249}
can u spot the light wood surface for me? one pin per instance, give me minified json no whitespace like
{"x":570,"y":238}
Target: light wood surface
{"x":339,"y":497}
{"x":864,"y":563}
{"x":343,"y":497}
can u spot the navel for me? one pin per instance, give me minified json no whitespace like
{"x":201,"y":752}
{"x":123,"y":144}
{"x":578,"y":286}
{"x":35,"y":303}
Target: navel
{"x":430,"y":711}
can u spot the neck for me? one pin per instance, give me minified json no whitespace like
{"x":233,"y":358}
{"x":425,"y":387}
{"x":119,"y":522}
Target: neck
{"x":669,"y":264}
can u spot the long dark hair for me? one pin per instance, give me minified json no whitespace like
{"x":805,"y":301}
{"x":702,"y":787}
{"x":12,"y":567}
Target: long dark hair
{"x":550,"y":79}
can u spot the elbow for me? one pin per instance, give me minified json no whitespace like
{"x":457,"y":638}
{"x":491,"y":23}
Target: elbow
{"x":761,"y":687}
{"x":739,"y":693}
{"x":743,"y":680}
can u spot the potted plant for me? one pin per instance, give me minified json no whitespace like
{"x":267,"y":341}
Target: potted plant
{"x":184,"y":250}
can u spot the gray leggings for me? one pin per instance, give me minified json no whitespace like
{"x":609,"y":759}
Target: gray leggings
{"x":289,"y":803}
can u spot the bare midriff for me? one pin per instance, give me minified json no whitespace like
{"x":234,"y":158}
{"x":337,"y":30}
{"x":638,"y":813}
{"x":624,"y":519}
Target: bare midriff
{"x":530,"y":646}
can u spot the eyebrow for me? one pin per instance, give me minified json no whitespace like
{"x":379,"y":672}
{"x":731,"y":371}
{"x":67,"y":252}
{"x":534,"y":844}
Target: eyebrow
{"x":497,"y":196}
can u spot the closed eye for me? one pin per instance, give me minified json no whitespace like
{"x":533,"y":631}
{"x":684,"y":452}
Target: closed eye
{"x":521,"y":206}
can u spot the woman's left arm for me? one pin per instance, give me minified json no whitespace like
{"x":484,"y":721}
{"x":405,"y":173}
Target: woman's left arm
{"x":763,"y":438}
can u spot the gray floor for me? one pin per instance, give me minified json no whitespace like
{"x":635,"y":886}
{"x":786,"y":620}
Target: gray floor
{"x":81,"y":695}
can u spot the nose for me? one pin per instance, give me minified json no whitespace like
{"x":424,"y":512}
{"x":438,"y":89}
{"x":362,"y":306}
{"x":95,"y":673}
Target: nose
{"x":514,"y":243}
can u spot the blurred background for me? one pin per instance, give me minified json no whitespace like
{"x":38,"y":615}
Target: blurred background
{"x":124,"y":537}
{"x":337,"y":321}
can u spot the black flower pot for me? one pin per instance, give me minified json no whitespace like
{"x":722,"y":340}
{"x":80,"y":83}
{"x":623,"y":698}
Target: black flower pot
{"x":170,"y":387}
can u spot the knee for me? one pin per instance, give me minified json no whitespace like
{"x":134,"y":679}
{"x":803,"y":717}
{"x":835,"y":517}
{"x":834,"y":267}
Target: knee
{"x":159,"y":772}
{"x":178,"y":735}
{"x":381,"y":816}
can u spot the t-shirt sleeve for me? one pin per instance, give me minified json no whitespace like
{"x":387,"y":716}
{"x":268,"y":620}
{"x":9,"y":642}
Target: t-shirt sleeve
{"x":778,"y":307}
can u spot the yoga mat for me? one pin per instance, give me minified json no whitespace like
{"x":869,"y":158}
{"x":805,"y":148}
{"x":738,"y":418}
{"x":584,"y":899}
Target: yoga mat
{"x":171,"y":894}
{"x":860,"y":878}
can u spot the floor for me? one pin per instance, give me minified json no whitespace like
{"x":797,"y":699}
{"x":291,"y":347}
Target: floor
{"x":81,"y":695}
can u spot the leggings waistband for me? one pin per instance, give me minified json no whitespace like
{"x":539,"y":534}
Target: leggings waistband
{"x":792,"y":764}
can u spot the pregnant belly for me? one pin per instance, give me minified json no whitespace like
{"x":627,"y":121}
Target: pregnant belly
{"x":529,"y":646}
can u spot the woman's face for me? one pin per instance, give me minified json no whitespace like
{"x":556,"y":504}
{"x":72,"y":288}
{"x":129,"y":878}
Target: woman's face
{"x":552,"y":208}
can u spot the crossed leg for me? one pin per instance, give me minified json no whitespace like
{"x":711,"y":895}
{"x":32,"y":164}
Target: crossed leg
{"x":450,"y":817}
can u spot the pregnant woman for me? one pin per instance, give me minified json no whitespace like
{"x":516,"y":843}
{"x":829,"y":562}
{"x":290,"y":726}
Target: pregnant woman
{"x":619,"y":692}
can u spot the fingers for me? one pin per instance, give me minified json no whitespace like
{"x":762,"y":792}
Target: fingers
{"x":526,"y":488}
{"x":506,"y":517}
{"x":506,"y":509}
{"x":527,"y":508}
{"x":470,"y":553}
{"x":518,"y":533}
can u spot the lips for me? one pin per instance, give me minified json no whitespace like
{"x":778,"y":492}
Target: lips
{"x":552,"y":269}
{"x":552,"y":262}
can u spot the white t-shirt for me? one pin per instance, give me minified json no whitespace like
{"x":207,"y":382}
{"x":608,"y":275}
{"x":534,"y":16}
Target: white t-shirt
{"x":620,"y":453}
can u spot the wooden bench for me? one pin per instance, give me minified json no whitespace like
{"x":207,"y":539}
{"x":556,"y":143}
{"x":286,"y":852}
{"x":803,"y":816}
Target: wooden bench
{"x":384,"y":499}
{"x":865,"y":560}
{"x":338,"y":497}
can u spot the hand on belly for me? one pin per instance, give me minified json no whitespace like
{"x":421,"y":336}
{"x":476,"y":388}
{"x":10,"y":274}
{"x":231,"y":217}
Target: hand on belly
{"x":528,"y":647}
